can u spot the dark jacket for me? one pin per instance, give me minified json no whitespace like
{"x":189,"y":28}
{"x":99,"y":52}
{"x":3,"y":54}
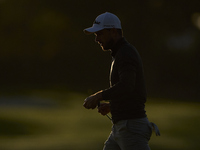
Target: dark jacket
{"x":127,"y":92}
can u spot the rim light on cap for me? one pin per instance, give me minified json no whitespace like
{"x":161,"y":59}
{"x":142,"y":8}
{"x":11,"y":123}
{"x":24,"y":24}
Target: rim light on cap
{"x":104,"y":21}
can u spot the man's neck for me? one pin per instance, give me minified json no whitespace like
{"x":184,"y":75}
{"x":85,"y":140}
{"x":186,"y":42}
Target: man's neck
{"x":117,"y":39}
{"x":116,"y":46}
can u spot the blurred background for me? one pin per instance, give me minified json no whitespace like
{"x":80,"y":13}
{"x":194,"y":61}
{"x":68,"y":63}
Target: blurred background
{"x":42,"y":44}
{"x":46,"y":60}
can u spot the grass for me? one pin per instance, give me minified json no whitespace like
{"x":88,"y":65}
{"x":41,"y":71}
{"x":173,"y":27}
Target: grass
{"x":68,"y":126}
{"x":178,"y":122}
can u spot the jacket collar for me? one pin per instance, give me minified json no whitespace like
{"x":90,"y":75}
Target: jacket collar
{"x":117,"y":46}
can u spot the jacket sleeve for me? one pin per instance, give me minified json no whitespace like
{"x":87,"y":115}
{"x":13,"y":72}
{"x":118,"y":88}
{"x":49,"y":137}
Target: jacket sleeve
{"x":126,"y":70}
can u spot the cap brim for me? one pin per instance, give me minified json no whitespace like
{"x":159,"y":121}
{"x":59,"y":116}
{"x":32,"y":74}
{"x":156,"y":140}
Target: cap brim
{"x":91,"y":30}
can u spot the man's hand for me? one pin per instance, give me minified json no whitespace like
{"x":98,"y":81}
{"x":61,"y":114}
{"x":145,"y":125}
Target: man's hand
{"x":104,"y":108}
{"x":92,"y":101}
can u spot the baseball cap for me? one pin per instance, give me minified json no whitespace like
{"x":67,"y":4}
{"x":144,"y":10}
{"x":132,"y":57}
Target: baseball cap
{"x":104,"y":21}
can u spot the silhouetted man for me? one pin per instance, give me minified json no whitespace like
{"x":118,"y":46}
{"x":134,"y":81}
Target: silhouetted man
{"x":127,"y":93}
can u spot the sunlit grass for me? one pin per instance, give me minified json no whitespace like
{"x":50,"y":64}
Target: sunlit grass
{"x":68,"y":126}
{"x":178,"y":122}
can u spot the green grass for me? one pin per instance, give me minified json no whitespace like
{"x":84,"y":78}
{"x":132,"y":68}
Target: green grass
{"x":68,"y":126}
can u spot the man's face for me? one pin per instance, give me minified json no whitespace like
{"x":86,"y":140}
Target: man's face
{"x":104,"y":39}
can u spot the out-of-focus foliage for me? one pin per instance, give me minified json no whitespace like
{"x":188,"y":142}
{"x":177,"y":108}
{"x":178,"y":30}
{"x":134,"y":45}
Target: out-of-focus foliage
{"x":42,"y":44}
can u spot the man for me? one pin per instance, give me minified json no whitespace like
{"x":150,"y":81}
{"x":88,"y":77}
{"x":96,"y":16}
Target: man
{"x":127,"y":93}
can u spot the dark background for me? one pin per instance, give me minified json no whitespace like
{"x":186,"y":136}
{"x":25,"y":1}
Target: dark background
{"x":42,"y":44}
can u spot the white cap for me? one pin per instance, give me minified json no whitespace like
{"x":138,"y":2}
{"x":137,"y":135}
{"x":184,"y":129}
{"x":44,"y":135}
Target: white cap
{"x":104,"y":21}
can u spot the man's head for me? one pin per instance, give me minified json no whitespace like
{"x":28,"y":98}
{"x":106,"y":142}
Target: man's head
{"x":107,"y":29}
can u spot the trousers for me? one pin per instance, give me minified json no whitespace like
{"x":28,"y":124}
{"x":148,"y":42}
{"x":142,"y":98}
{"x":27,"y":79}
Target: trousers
{"x":133,"y":134}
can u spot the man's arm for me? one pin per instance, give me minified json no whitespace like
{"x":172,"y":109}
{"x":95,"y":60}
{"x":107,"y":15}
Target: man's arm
{"x":126,"y":68}
{"x":104,"y":108}
{"x":92,"y":101}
